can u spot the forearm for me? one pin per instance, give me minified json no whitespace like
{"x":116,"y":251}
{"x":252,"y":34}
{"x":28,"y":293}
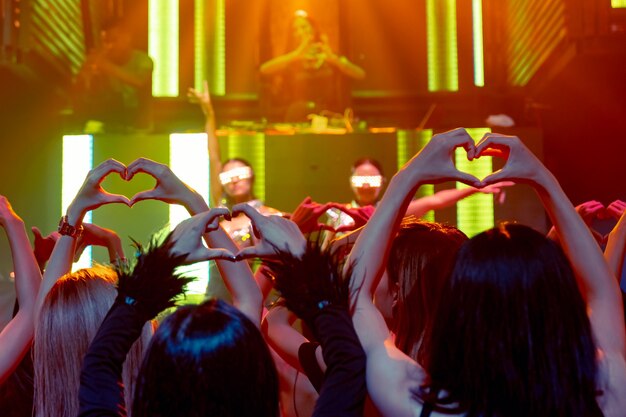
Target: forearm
{"x":278,"y":63}
{"x":237,"y":276}
{"x":616,"y":247}
{"x":344,"y":388}
{"x":101,"y":390}
{"x":439,"y":200}
{"x":367,"y":258}
{"x":27,"y":272}
{"x":348,"y":68}
{"x":215,"y":163}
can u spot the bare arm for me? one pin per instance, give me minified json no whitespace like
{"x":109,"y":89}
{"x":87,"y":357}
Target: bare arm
{"x":89,"y":197}
{"x":203,"y":98}
{"x":15,"y":338}
{"x":595,"y":279}
{"x":616,"y":245}
{"x":237,"y":275}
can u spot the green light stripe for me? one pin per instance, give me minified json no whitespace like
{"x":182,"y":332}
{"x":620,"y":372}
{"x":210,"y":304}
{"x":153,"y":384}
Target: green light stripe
{"x":422,"y":138}
{"x":477,"y":28}
{"x":443,"y":71}
{"x":200,"y":45}
{"x":402,"y":144}
{"x":475,"y":213}
{"x":163,"y":37}
{"x":252,"y":149}
{"x":218,"y":87}
{"x":618,"y":4}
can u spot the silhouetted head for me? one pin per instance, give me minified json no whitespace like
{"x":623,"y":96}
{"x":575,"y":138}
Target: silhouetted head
{"x":207,"y":360}
{"x":511,"y":336}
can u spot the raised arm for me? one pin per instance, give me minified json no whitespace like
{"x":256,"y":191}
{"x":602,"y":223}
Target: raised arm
{"x":89,"y":197}
{"x":203,"y":98}
{"x":237,"y":275}
{"x":17,"y":335}
{"x":616,"y":244}
{"x":595,"y":280}
{"x":341,"y":62}
{"x":401,"y":375}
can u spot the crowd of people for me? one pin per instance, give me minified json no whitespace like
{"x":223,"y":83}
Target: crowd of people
{"x":382,"y":315}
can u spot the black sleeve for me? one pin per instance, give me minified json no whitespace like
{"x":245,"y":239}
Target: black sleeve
{"x":343,"y":390}
{"x":101,"y":390}
{"x":308,"y":362}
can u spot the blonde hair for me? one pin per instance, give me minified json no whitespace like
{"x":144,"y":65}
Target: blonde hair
{"x":70,"y":317}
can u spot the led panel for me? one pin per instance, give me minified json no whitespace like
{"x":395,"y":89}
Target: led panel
{"x":443,"y":71}
{"x":190,"y":162}
{"x":77,"y":162}
{"x":163,"y":46}
{"x":477,"y":28}
{"x":474,"y":213}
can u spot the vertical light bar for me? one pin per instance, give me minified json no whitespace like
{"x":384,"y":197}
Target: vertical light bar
{"x":423,"y":137}
{"x":477,"y":28}
{"x":200,"y":45}
{"x":475,"y":213}
{"x":163,"y":46}
{"x":219,"y":50}
{"x":189,"y":161}
{"x":618,"y":4}
{"x":77,"y":162}
{"x":252,"y":149}
{"x":443,"y":68}
{"x":402,"y":144}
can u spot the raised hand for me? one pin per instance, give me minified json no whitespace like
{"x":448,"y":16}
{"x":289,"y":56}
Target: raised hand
{"x":7,"y":215}
{"x":169,"y":188}
{"x":590,"y":210}
{"x":91,"y":195}
{"x":203,"y":98}
{"x":521,"y":164}
{"x":43,"y":245}
{"x":276,"y":235}
{"x":360,"y":215}
{"x":616,"y":209}
{"x":435,"y":162}
{"x":94,"y":235}
{"x":187,"y":237}
{"x":306,"y":216}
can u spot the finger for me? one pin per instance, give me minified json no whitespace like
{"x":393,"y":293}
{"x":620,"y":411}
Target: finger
{"x":501,"y":197}
{"x":247,"y":253}
{"x":205,"y":86}
{"x":323,"y":226}
{"x":210,"y":254}
{"x":107,"y":167}
{"x":145,"y":165}
{"x":144,"y":195}
{"x":468,"y":179}
{"x":493,"y":145}
{"x":345,"y":228}
{"x":36,"y":232}
{"x":213,"y":215}
{"x":245,"y":208}
{"x":116,"y":198}
{"x":499,"y":175}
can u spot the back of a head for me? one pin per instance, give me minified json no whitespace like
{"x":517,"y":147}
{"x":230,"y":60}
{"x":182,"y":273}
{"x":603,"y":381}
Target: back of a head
{"x":421,"y":258}
{"x":511,"y":336}
{"x":70,"y":318}
{"x":207,"y":360}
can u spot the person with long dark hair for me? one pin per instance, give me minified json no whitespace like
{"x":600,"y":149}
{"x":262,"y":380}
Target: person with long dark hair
{"x":518,"y":330}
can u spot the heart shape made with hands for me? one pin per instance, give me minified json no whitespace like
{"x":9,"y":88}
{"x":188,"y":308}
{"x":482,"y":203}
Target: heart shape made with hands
{"x":141,"y":187}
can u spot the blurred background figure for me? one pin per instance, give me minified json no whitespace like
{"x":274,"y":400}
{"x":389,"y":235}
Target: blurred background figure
{"x":310,"y":71}
{"x":114,"y":84}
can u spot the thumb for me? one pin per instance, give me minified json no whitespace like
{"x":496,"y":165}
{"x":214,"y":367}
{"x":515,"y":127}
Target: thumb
{"x":247,"y":253}
{"x":144,"y":195}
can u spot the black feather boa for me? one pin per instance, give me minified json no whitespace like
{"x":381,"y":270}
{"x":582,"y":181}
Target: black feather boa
{"x":151,"y":284}
{"x":310,"y":284}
